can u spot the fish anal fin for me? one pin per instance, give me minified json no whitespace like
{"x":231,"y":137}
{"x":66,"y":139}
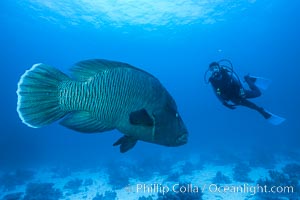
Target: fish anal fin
{"x":126,"y":143}
{"x":84,"y":122}
{"x":141,"y":117}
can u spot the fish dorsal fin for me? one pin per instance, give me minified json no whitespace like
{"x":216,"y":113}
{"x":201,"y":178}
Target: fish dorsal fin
{"x":84,"y":122}
{"x":84,"y":70}
{"x":141,"y":117}
{"x":126,"y":143}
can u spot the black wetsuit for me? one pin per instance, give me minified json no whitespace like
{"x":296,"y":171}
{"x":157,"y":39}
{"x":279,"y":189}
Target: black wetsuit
{"x":228,"y":88}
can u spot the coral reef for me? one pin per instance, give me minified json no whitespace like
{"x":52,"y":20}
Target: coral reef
{"x":220,"y":178}
{"x":145,"y":198}
{"x":10,"y":180}
{"x":223,"y":157}
{"x":108,"y":195}
{"x":262,"y":159}
{"x":74,"y":185}
{"x":154,"y":164}
{"x":173,"y":177}
{"x":293,"y":171}
{"x":13,"y":196}
{"x":120,"y":172}
{"x":61,"y":172}
{"x":88,"y":182}
{"x":188,"y":167}
{"x":42,"y":191}
{"x":118,"y":177}
{"x":281,"y":185}
{"x":241,"y":173}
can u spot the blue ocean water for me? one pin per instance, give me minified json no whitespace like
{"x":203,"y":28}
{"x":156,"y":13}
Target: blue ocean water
{"x":174,"y":41}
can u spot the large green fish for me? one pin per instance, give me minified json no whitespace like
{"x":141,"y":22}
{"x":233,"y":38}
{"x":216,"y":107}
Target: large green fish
{"x":103,"y":95}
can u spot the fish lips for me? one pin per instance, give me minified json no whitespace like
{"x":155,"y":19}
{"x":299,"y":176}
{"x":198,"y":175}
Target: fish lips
{"x":181,"y":140}
{"x":171,"y":140}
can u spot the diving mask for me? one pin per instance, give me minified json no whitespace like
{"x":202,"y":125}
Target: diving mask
{"x":214,"y":67}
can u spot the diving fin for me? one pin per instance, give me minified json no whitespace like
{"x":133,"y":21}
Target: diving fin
{"x":274,"y":119}
{"x":261,"y":83}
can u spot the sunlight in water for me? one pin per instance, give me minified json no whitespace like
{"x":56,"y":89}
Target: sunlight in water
{"x":137,"y":12}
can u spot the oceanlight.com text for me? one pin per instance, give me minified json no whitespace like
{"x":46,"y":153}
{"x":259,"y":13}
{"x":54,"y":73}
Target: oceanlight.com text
{"x":211,"y":188}
{"x":251,"y":189}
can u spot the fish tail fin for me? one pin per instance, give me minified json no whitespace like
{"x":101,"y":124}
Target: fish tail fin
{"x":38,"y":96}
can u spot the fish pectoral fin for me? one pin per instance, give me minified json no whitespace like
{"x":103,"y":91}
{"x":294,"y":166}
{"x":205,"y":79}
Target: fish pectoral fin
{"x":84,"y":122}
{"x":126,"y":143}
{"x":141,"y":117}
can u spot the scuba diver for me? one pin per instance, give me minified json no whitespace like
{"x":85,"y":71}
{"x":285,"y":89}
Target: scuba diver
{"x":230,"y":91}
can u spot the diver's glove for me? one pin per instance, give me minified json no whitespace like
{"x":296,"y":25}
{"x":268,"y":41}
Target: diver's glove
{"x":230,"y":106}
